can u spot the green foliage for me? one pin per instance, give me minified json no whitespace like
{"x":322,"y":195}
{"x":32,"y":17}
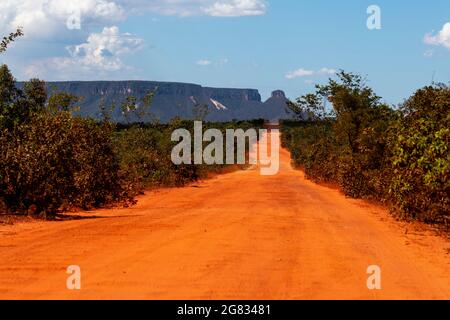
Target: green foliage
{"x":51,"y":160}
{"x":135,"y":110}
{"x":18,"y":106}
{"x":63,"y":101}
{"x":144,"y":107}
{"x":8,"y":95}
{"x":106,"y":111}
{"x":372,"y":151}
{"x":56,"y":161}
{"x":313,"y":148}
{"x":36,"y":92}
{"x":8,"y":91}
{"x":420,"y":185}
{"x":347,"y":143}
{"x":144,"y":152}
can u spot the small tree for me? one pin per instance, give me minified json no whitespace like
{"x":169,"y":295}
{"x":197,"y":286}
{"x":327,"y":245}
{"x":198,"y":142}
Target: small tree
{"x":355,"y":106}
{"x":36,"y":93}
{"x":139,"y":109}
{"x":8,"y":91}
{"x":128,"y":107}
{"x":8,"y":94}
{"x":63,"y":101}
{"x":106,"y":111}
{"x":144,"y":107}
{"x":355,"y":149}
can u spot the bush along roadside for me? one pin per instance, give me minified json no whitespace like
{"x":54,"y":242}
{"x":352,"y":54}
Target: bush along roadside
{"x":51,"y":160}
{"x":144,"y":153}
{"x":400,"y":156}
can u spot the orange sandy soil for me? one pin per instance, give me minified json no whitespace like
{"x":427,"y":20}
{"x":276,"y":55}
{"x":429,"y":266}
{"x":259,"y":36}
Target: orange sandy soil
{"x":237,"y":236}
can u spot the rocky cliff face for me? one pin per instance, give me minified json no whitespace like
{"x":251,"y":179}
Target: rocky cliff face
{"x":176,"y":99}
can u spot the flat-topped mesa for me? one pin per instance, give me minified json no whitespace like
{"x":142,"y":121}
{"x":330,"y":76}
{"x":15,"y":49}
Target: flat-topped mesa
{"x":173,"y":99}
{"x":278,"y":94}
{"x":225,"y":94}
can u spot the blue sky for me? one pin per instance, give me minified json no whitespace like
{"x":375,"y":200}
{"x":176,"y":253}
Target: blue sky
{"x":266,"y":45}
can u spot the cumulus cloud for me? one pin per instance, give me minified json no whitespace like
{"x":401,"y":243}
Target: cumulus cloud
{"x":46,"y":18}
{"x":301,"y":73}
{"x":442,"y":38}
{"x":103,"y":50}
{"x":100,"y":54}
{"x":75,"y":25}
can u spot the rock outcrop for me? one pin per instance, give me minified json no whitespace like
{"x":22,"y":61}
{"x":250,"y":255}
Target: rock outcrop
{"x":175,"y":99}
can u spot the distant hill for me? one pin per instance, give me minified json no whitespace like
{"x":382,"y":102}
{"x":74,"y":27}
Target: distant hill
{"x":176,"y":99}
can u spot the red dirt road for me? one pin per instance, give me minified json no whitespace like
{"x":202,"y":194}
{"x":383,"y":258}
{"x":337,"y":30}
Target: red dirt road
{"x":238,"y":236}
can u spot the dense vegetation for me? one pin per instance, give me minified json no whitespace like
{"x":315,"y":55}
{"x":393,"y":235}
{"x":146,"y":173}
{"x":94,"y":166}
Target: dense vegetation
{"x":144,"y":153}
{"x":51,"y":160}
{"x":399,"y":156}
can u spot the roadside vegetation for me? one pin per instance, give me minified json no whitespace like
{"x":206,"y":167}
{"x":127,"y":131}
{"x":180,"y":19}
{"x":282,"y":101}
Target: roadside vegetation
{"x":346,"y":135}
{"x":53,"y":161}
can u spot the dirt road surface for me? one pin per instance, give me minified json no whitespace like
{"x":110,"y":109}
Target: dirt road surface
{"x":237,"y":236}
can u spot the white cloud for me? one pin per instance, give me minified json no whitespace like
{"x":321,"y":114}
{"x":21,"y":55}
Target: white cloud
{"x":48,"y":18}
{"x":185,"y":8}
{"x":204,"y":63}
{"x":45,"y":24}
{"x":103,"y":50}
{"x":442,"y":38}
{"x":326,"y":71}
{"x":236,"y":8}
{"x":99,"y":55}
{"x":301,"y":73}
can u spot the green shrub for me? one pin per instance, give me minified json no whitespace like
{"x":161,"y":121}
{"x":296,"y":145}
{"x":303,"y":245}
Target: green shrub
{"x":144,"y":155}
{"x":420,"y":186}
{"x":371,"y":151}
{"x":56,"y":161}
